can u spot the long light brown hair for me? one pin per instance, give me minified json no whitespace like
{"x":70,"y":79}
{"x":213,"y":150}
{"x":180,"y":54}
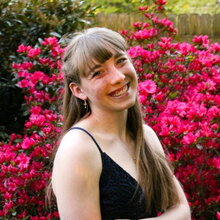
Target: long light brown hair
{"x":154,"y":173}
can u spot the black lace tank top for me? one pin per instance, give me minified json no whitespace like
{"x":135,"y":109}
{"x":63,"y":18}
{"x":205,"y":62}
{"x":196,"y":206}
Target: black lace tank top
{"x":121,"y":197}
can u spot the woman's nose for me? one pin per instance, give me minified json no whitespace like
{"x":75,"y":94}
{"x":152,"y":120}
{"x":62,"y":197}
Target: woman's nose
{"x":116,"y":75}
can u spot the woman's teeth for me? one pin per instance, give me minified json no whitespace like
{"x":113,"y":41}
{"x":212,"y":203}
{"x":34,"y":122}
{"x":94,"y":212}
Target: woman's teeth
{"x":120,"y":92}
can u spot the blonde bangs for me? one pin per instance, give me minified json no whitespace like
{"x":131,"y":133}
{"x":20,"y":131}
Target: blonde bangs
{"x":94,"y":47}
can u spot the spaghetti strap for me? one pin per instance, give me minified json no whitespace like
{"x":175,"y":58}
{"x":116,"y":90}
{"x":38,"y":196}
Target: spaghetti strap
{"x":82,"y":129}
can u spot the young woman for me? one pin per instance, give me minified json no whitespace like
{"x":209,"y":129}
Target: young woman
{"x":109,"y":165}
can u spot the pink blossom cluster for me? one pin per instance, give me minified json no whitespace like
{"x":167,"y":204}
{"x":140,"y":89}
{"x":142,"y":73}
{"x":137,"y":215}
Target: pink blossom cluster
{"x":25,"y":160}
{"x":180,"y":93}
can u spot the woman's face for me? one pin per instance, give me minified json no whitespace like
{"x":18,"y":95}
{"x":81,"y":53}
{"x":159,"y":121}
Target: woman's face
{"x":111,"y":86}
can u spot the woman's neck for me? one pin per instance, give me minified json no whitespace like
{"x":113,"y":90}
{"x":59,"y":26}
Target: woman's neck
{"x":113,"y":124}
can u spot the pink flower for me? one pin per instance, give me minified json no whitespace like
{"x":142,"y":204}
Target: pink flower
{"x":215,"y":162}
{"x":26,"y":65}
{"x":23,"y":83}
{"x":145,"y":25}
{"x":52,"y":41}
{"x":44,"y":61}
{"x":217,"y":100}
{"x":135,"y":51}
{"x":8,"y":206}
{"x":158,"y":96}
{"x":23,"y":74}
{"x":22,"y":215}
{"x":165,"y":131}
{"x":35,"y":110}
{"x":161,"y":2}
{"x":33,"y":52}
{"x":8,"y":196}
{"x":156,"y":20}
{"x":37,"y":120}
{"x":189,"y":138}
{"x":137,"y":24}
{"x":165,"y":43}
{"x":186,"y":48}
{"x":138,"y":63}
{"x":37,"y":76}
{"x":147,"y":87}
{"x":170,"y":157}
{"x":22,"y":48}
{"x":145,"y":34}
{"x":201,"y":40}
{"x":214,"y":111}
{"x":206,"y":130}
{"x":196,"y":111}
{"x":57,"y":51}
{"x":214,"y":48}
{"x":142,"y":99}
{"x":27,"y":143}
{"x":167,"y":23}
{"x":23,"y":161}
{"x":150,"y":46}
{"x":143,"y":8}
{"x":11,"y":184}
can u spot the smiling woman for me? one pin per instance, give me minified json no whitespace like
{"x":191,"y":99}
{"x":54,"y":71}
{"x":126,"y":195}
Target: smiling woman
{"x":114,"y":84}
{"x":109,"y":165}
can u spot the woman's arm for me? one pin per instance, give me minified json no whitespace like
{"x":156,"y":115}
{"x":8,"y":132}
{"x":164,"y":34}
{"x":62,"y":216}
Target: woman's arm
{"x":75,"y":177}
{"x":181,"y":211}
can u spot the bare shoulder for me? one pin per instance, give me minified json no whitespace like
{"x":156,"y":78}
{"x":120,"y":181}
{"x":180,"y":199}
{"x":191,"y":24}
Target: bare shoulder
{"x":77,"y":152}
{"x":75,"y":177}
{"x":152,"y":139}
{"x":77,"y":143}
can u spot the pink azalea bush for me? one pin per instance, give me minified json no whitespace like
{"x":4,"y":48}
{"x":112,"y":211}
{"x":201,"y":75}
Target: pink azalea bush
{"x":26,"y":159}
{"x":180,"y":92}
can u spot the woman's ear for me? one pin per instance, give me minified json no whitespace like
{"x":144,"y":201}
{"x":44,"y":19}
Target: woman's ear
{"x":77,"y":91}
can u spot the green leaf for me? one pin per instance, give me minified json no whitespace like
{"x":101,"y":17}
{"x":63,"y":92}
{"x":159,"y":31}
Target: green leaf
{"x":41,"y":133}
{"x":55,"y":34}
{"x":200,"y":147}
{"x":174,"y":94}
{"x":14,"y":213}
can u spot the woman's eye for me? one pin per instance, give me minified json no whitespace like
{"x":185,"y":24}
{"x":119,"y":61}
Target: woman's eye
{"x":96,"y":73}
{"x":121,"y":60}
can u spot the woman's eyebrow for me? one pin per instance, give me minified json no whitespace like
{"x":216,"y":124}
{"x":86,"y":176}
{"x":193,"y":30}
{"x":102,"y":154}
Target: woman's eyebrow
{"x":95,"y":67}
{"x":118,"y":54}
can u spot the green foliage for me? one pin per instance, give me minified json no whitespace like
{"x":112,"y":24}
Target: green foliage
{"x":173,"y":6}
{"x":118,"y":6}
{"x":195,"y":6}
{"x":27,"y":22}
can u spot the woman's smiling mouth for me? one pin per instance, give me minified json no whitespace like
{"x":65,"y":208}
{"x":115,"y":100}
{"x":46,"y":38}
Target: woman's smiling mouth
{"x":120,"y":92}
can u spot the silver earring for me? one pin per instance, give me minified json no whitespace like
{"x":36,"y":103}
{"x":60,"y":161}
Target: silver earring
{"x":85,"y":105}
